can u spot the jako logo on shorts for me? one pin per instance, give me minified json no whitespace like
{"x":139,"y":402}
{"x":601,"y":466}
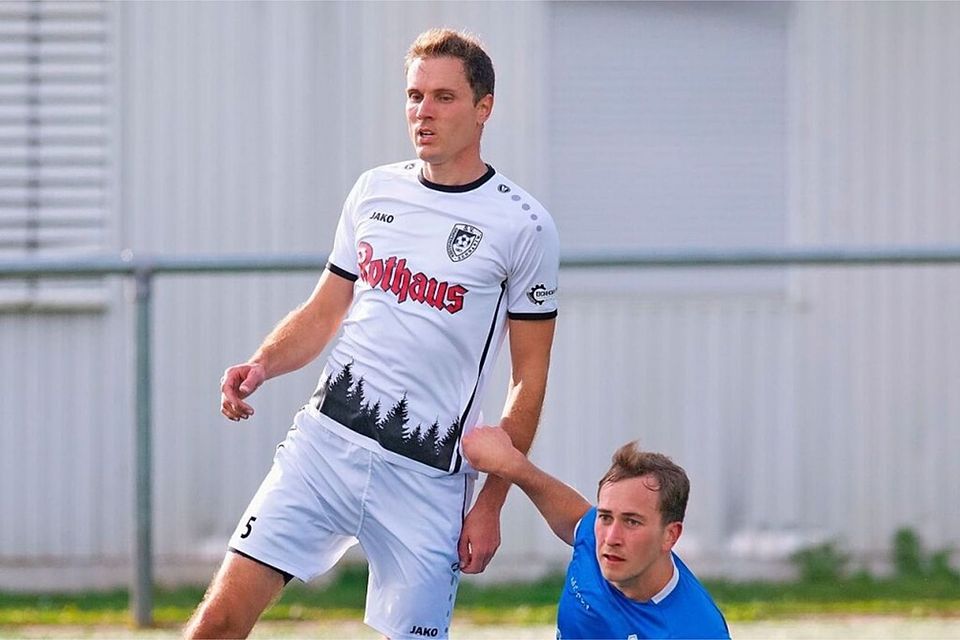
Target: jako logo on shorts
{"x":426,"y":632}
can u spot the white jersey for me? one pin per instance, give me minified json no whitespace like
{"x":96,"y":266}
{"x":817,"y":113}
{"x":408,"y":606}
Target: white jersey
{"x":438,"y":271}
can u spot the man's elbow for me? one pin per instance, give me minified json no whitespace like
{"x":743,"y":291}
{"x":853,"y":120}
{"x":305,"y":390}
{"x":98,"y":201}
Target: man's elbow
{"x":567,"y":535}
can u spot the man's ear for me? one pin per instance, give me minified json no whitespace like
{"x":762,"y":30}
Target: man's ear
{"x":671,"y":534}
{"x":484,"y":108}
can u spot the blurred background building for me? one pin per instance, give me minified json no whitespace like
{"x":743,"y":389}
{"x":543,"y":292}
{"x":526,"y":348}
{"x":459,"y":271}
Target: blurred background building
{"x":807,"y":404}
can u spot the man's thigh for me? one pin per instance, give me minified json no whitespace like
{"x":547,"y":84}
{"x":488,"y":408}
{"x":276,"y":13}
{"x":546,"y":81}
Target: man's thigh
{"x":409,"y":535}
{"x":304,"y":515}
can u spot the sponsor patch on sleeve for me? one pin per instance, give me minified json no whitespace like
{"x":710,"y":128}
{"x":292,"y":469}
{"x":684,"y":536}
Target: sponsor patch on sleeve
{"x":539,"y":293}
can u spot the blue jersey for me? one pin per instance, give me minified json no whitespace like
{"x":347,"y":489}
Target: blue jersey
{"x":591,"y":607}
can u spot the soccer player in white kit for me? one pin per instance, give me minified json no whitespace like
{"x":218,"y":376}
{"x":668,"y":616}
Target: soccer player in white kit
{"x":435,"y":262}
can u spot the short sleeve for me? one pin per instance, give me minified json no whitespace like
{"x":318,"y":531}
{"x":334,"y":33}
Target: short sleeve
{"x":533,"y":281}
{"x":343,"y":257}
{"x":583,"y":531}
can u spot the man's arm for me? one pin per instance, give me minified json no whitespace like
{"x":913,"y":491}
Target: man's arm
{"x":295,"y":341}
{"x":489,"y":449}
{"x":530,"y":342}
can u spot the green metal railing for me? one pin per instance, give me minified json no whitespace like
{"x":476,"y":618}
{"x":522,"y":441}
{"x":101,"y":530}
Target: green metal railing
{"x":143,"y":268}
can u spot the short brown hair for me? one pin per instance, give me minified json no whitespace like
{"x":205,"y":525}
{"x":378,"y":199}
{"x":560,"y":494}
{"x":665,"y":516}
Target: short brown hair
{"x":477,"y":65}
{"x":673,"y":486}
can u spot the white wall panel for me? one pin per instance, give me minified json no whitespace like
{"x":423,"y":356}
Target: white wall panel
{"x":804,"y":430}
{"x":701,"y":378}
{"x":65,"y":434}
{"x":819,"y":403}
{"x":243,"y":126}
{"x":65,"y":404}
{"x":874,"y":150}
{"x":669,"y":130}
{"x":667,"y":123}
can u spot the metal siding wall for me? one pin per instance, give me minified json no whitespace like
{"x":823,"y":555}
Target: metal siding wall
{"x":875,"y":151}
{"x":245,"y":124}
{"x":824,"y":414}
{"x":692,"y":363}
{"x":667,"y":123}
{"x":704,"y":378}
{"x":66,"y":431}
{"x":66,"y":423}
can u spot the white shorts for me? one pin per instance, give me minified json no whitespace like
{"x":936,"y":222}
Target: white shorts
{"x":324,"y":494}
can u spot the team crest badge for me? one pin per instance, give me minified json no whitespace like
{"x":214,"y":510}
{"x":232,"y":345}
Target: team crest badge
{"x":463,"y":241}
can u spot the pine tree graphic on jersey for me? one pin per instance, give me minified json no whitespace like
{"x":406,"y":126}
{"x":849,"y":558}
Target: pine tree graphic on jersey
{"x":392,"y":434}
{"x":344,"y":402}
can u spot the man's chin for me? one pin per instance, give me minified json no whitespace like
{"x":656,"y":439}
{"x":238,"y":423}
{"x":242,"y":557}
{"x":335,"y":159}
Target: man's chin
{"x":427,"y":156}
{"x":608,"y":574}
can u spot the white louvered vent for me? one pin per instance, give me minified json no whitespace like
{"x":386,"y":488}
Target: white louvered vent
{"x":54,"y":143}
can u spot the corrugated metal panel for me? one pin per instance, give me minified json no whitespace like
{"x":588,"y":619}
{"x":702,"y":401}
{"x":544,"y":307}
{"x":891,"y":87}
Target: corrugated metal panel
{"x":875,"y":150}
{"x":874,"y":137}
{"x":244,"y":125}
{"x":667,"y":123}
{"x":820,"y":402}
{"x":693,"y":363}
{"x":782,"y":428}
{"x":874,"y":377}
{"x":703,"y":378}
{"x":65,"y":411}
{"x":65,"y":427}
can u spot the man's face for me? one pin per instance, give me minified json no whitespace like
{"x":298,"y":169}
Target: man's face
{"x":633,"y":544}
{"x":443,"y":122}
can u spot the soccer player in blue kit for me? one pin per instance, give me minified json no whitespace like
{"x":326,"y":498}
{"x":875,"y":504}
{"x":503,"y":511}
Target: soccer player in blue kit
{"x":624,"y":580}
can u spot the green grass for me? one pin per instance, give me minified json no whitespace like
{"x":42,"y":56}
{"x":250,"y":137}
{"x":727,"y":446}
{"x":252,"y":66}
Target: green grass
{"x":748,"y":601}
{"x":532,"y":603}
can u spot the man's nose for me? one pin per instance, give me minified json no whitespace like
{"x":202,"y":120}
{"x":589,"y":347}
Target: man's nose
{"x":425,"y":108}
{"x":613,"y":534}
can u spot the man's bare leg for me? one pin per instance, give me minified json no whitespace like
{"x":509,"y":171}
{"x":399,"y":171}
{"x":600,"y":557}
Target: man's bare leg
{"x":239,"y":593}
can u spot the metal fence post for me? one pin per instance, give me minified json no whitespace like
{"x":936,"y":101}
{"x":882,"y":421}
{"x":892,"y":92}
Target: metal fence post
{"x":142,"y":596}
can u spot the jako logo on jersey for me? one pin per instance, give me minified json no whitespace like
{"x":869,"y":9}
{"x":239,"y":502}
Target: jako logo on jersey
{"x":539,"y":293}
{"x":382,"y":217}
{"x":427,"y":632}
{"x":463,"y":241}
{"x":393,"y":275}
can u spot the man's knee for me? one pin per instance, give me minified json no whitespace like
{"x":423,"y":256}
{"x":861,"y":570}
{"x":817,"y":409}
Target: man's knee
{"x":213,"y":621}
{"x":223,"y":615}
{"x":240,"y":592}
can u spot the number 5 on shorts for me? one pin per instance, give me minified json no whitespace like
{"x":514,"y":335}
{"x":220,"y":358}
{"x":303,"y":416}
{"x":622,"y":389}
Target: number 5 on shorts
{"x":249,"y":529}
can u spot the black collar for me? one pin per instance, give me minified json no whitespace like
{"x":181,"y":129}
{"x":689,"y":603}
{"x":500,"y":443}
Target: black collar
{"x":457,"y":188}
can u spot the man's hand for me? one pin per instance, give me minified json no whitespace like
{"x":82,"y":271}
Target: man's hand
{"x":238,"y":382}
{"x":491,"y":450}
{"x":479,"y":538}
{"x":486,"y":448}
{"x":295,"y":341}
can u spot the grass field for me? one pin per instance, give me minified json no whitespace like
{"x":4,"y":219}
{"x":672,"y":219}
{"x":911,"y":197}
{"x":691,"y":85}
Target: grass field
{"x":859,"y":607}
{"x":815,"y":628}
